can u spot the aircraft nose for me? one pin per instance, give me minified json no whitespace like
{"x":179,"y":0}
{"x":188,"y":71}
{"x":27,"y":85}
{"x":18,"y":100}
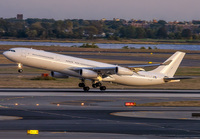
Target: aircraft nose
{"x":5,"y":53}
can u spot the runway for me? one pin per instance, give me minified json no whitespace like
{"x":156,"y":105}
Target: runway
{"x":73,"y":113}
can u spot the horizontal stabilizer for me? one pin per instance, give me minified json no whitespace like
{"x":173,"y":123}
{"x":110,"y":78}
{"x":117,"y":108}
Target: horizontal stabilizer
{"x":180,"y":78}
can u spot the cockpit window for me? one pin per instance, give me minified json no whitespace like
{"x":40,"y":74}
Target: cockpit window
{"x":12,"y":50}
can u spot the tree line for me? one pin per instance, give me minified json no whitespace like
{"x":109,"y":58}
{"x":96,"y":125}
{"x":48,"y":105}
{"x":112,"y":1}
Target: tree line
{"x":91,"y":29}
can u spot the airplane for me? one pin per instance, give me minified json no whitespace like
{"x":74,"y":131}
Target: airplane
{"x":62,"y":66}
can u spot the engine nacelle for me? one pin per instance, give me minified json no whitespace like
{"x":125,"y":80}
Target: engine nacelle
{"x":58,"y":75}
{"x":123,"y":71}
{"x":88,"y":73}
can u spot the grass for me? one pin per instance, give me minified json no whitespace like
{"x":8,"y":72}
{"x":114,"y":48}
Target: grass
{"x":43,"y":78}
{"x":188,"y":71}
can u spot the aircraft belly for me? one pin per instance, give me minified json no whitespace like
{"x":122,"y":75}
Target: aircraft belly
{"x":137,"y":80}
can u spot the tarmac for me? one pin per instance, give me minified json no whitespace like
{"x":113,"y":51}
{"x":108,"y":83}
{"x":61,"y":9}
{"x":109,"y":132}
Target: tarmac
{"x":72,"y":113}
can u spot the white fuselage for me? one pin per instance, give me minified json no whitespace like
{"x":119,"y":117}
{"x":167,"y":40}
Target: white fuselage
{"x":65,"y":64}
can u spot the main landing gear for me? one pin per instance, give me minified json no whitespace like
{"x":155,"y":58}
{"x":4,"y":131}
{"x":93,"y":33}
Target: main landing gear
{"x":82,"y":84}
{"x":98,"y":84}
{"x":102,"y":88}
{"x":94,"y":85}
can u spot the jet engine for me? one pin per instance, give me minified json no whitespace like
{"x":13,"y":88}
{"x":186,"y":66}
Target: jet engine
{"x":123,"y":71}
{"x":88,"y":73}
{"x":58,"y":75}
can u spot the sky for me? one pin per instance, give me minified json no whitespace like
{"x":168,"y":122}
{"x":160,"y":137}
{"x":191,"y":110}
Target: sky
{"x":169,"y":10}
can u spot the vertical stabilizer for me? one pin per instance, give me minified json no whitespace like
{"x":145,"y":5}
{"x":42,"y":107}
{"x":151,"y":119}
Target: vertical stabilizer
{"x":169,"y":67}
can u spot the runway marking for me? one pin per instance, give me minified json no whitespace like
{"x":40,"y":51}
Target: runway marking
{"x":183,"y":118}
{"x":8,"y":99}
{"x":153,"y":125}
{"x":10,"y":118}
{"x":3,"y":106}
{"x":153,"y":95}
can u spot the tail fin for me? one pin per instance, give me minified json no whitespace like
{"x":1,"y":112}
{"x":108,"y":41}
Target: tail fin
{"x":169,"y":67}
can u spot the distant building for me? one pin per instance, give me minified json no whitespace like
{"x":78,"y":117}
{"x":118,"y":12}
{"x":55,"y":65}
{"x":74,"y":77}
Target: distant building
{"x":116,"y":19}
{"x":20,"y":16}
{"x":139,"y":23}
{"x":103,"y":19}
{"x":155,"y":21}
{"x":173,"y":22}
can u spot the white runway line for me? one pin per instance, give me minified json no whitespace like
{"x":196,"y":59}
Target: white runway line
{"x":83,"y":94}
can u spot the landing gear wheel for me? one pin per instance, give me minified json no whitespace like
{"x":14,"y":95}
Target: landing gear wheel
{"x":102,"y":88}
{"x":81,"y":85}
{"x":98,"y":84}
{"x":94,"y":85}
{"x":20,"y":70}
{"x":86,"y":88}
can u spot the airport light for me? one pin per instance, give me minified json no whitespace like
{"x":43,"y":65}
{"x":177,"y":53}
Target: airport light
{"x":130,"y":104}
{"x":32,"y":132}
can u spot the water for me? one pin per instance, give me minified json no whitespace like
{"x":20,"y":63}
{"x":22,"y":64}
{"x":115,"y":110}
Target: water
{"x":106,"y":46}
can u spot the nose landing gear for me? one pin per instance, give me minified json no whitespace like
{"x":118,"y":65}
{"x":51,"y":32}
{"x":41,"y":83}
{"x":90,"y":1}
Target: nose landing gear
{"x":20,"y":70}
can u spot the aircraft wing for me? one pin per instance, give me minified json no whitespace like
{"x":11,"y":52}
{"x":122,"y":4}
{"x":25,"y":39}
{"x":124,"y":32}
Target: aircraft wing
{"x":151,"y":65}
{"x":141,"y":66}
{"x":102,"y":70}
{"x":114,"y":69}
